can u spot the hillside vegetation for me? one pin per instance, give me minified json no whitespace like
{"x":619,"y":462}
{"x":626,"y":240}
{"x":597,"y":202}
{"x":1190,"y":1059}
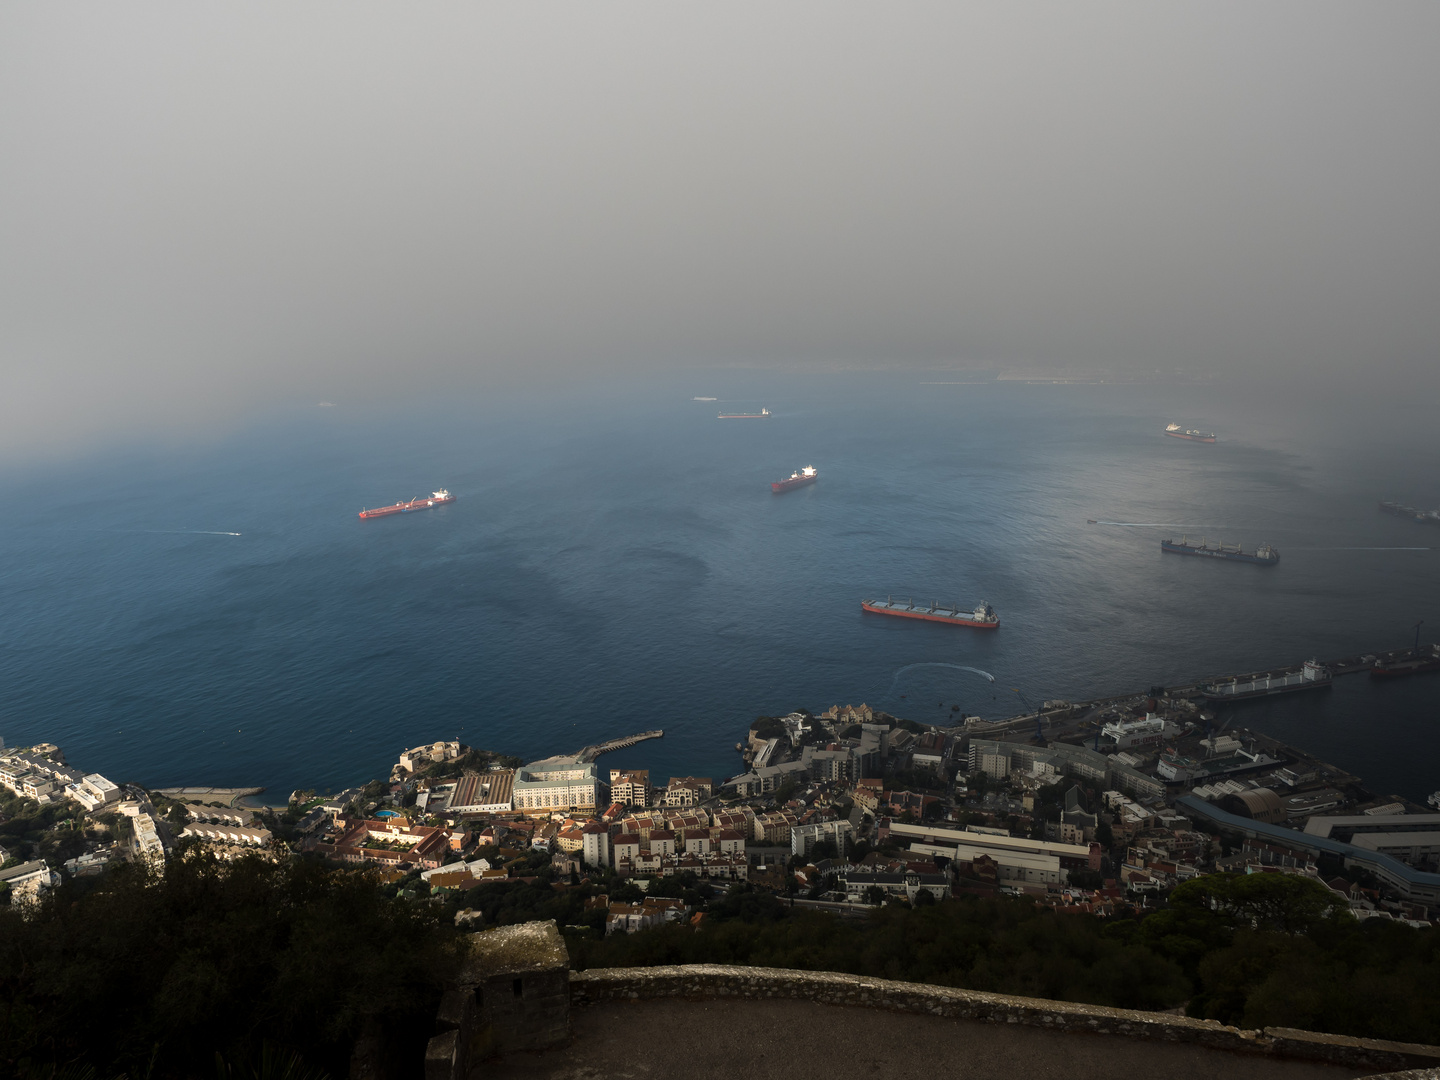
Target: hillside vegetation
{"x":153,"y":976}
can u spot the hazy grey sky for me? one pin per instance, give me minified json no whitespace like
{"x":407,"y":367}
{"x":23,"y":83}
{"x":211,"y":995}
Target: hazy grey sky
{"x":205,"y":209}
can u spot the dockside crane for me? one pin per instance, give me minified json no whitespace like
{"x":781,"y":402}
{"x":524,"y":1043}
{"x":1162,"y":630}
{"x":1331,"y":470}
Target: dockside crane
{"x":1039,"y":724}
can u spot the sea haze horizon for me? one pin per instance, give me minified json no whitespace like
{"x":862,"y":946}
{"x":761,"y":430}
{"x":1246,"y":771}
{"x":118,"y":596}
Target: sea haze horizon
{"x":615,"y":561}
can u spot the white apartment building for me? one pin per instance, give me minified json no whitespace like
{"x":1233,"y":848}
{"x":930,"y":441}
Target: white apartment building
{"x":595,"y":844}
{"x":93,"y":792}
{"x":803,"y":838}
{"x":557,"y":784}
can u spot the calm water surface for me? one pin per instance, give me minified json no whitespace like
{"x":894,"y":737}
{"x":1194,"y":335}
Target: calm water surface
{"x":615,"y":562}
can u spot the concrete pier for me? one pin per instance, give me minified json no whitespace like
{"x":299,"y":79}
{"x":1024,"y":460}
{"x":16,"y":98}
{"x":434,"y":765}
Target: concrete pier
{"x":590,"y":753}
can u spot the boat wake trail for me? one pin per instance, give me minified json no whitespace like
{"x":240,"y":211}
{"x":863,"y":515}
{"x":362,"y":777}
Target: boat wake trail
{"x":188,"y":532}
{"x":1161,"y":525}
{"x":168,"y":532}
{"x":958,"y":667}
{"x":1361,"y":549}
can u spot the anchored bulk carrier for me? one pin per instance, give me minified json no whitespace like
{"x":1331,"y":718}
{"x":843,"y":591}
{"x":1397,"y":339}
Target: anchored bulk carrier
{"x":1265,"y":555}
{"x":1414,"y":513}
{"x":982,"y":615}
{"x":436,"y":498}
{"x":804,"y":476}
{"x":1313,"y":675}
{"x":1175,"y":431}
{"x":763,"y":414}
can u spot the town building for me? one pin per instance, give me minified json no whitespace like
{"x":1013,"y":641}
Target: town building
{"x":490,"y":792}
{"x":849,"y":714}
{"x":803,"y":838}
{"x":431,"y":753}
{"x":149,"y":845}
{"x":228,"y":841}
{"x":595,"y":844}
{"x":630,"y":787}
{"x":774,"y":827}
{"x":228,"y":835}
{"x":858,"y":881}
{"x":93,"y":792}
{"x":390,"y":842}
{"x":1018,"y":859}
{"x":695,"y":842}
{"x":559,"y":783}
{"x":1000,"y":759}
{"x":1419,"y":886}
{"x":27,"y":881}
{"x":687,"y":791}
{"x":1412,"y":838}
{"x":625,"y":848}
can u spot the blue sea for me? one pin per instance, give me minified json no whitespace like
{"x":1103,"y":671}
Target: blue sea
{"x":615,"y":561}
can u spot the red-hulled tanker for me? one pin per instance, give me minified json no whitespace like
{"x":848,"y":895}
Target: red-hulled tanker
{"x":437,"y":498}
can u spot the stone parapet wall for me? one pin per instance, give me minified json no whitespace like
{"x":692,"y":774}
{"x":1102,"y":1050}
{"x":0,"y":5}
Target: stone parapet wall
{"x":832,"y":988}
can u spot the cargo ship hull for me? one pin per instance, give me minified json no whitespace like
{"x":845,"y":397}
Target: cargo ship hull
{"x":777,"y":486}
{"x":982,"y":617}
{"x":1425,"y":517}
{"x":438,"y":498}
{"x":807,"y":475}
{"x":1266,"y":556}
{"x":1175,"y":431}
{"x":1276,"y":687}
{"x":1311,"y":676}
{"x":1410,"y":665}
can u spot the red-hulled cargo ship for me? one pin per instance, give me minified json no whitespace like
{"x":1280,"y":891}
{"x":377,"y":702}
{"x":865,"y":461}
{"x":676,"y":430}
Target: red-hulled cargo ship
{"x":807,"y":475}
{"x":982,"y":616}
{"x":437,"y":498}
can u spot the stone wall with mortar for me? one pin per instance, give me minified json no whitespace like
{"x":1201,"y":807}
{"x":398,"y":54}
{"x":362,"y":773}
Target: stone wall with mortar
{"x":701,"y":981}
{"x":513,"y":993}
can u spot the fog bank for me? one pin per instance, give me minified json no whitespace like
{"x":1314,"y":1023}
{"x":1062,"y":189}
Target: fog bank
{"x":208,"y":211}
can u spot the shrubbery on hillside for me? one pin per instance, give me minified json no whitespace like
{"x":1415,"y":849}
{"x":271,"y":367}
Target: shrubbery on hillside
{"x":154,"y":976}
{"x":1254,"y":951}
{"x":1004,"y":946}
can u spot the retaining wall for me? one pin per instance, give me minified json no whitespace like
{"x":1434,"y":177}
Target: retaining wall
{"x":833,"y":988}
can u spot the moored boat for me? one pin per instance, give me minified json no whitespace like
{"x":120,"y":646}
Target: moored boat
{"x":1312,"y":675}
{"x":1419,"y":660}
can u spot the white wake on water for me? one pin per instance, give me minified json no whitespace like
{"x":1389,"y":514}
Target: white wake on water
{"x":958,"y":667}
{"x":1164,"y":525}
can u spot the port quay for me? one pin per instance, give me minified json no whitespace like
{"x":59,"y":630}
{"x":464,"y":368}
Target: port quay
{"x":590,"y":753}
{"x":1349,"y":665}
